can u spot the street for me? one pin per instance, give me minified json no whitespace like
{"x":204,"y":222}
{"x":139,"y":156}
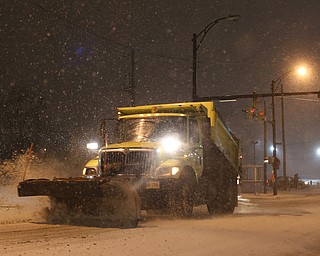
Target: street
{"x":286,"y":224}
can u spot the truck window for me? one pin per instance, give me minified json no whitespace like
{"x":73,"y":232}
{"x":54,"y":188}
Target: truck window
{"x":153,"y":129}
{"x":193,"y":131}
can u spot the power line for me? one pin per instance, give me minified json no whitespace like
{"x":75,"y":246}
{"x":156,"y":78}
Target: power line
{"x":257,"y":95}
{"x":303,"y":142}
{"x":304,"y":99}
{"x":105,"y":38}
{"x":304,"y":158}
{"x":138,"y":49}
{"x":39,"y":7}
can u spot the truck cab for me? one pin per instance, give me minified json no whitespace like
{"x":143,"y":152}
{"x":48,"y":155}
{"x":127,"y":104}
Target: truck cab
{"x":154,"y":145}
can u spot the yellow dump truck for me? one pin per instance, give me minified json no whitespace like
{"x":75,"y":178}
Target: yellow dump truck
{"x":171,"y":157}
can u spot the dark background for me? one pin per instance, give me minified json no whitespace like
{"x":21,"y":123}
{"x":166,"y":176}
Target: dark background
{"x":65,"y":66}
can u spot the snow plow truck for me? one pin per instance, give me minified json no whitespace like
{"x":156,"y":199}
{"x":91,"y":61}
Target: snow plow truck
{"x":168,"y":159}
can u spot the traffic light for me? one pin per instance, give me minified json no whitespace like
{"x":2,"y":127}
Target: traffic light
{"x":250,"y":113}
{"x":254,"y":113}
{"x":261,"y":115}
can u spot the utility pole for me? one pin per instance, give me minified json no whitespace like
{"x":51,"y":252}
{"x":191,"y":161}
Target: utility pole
{"x":132,"y":80}
{"x":131,"y":89}
{"x":194,"y":67}
{"x":196,"y":45}
{"x":284,"y":166}
{"x":265,"y":148}
{"x":274,"y":142}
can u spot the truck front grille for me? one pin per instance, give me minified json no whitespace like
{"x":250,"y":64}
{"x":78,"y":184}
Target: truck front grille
{"x":127,"y":162}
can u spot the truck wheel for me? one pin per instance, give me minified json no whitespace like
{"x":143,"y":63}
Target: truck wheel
{"x":157,"y":211}
{"x":214,"y":207}
{"x":182,"y":199}
{"x":123,"y":209}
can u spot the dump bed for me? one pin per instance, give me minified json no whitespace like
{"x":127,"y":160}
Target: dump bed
{"x":221,"y":136}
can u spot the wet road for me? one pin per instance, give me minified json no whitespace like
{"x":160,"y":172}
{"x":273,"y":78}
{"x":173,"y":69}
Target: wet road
{"x":286,"y":224}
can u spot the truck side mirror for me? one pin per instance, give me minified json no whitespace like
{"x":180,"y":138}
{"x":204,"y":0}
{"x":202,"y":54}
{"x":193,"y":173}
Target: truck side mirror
{"x":109,"y":130}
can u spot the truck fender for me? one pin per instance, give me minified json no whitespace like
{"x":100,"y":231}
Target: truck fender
{"x":188,"y":172}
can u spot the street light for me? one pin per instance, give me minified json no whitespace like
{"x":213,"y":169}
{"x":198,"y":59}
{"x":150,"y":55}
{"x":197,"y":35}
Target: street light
{"x":302,"y":71}
{"x":274,"y":86}
{"x":271,"y":147}
{"x":196,"y":46}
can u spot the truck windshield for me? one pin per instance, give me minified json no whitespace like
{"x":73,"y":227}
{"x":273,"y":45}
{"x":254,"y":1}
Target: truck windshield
{"x":153,"y":129}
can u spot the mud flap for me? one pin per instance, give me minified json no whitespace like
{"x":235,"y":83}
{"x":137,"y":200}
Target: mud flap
{"x":181,"y":199}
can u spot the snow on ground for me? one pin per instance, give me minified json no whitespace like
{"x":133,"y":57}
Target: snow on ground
{"x":12,"y":171}
{"x":18,"y":209}
{"x":283,"y":225}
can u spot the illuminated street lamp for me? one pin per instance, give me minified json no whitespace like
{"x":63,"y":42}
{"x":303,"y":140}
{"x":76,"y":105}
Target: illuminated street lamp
{"x":271,"y":147}
{"x":302,"y":71}
{"x":196,"y":46}
{"x":318,"y":151}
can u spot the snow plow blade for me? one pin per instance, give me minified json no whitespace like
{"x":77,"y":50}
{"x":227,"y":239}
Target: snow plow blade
{"x":72,"y":187}
{"x":107,"y":202}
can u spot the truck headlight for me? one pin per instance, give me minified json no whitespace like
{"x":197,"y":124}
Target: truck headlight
{"x":167,"y":171}
{"x":89,"y":172}
{"x":92,"y":146}
{"x":174,"y":170}
{"x":170,"y":144}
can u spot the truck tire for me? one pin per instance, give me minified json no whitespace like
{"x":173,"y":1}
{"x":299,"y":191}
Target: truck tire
{"x":214,"y":206}
{"x":181,"y":202}
{"x":122,"y":210}
{"x":158,"y":211}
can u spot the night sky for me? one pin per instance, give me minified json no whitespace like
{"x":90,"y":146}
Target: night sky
{"x":65,"y":65}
